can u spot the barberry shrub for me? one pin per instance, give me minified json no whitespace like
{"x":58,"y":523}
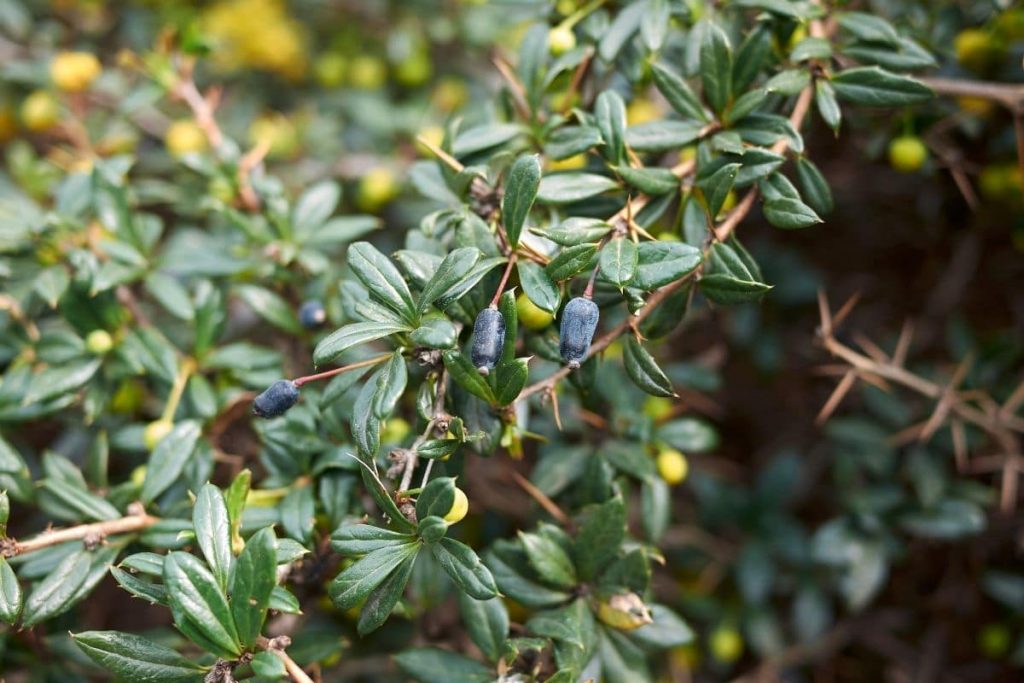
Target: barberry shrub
{"x":440,"y":430}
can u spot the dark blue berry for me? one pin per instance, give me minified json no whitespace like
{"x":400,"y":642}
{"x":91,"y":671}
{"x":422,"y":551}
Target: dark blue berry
{"x":488,"y":339}
{"x":276,"y":399}
{"x":579,"y":321}
{"x":312,"y":314}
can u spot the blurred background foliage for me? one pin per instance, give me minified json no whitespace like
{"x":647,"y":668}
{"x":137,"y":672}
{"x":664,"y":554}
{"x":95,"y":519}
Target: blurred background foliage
{"x":882,"y":541}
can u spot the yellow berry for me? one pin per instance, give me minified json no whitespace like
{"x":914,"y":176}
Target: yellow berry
{"x":330,"y":69}
{"x":99,"y":342}
{"x":278,"y":133}
{"x":979,"y":106}
{"x":459,"y":508}
{"x":128,"y":397}
{"x":450,"y":94}
{"x":672,"y":466}
{"x":572,"y":163}
{"x":74,"y":71}
{"x":376,"y":188}
{"x":395,"y":430}
{"x":138,"y":475}
{"x":977,"y":49}
{"x":532,"y":316}
{"x":687,"y":154}
{"x":414,"y":70}
{"x":729,"y":203}
{"x":155,"y":432}
{"x":561,"y":39}
{"x":726,"y":644}
{"x":185,"y":137}
{"x":907,"y":153}
{"x":431,"y":134}
{"x":641,"y":110}
{"x":40,"y":111}
{"x":995,"y":640}
{"x":367,"y":72}
{"x":8,"y":123}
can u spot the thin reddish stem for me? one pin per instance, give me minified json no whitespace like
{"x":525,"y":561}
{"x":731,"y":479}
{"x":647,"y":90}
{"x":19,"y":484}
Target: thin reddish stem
{"x":504,"y":281}
{"x":337,"y":371}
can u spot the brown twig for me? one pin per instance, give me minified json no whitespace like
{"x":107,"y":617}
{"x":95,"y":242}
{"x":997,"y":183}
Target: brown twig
{"x":276,"y":646}
{"x":135,"y":520}
{"x":542,"y":499}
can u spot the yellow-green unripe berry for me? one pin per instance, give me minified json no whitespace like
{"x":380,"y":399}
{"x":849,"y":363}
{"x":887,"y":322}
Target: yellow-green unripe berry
{"x":726,"y":644}
{"x":672,"y":466}
{"x":99,"y":342}
{"x":907,"y":153}
{"x":530,"y":315}
{"x":155,"y":433}
{"x":561,"y":39}
{"x":459,"y":508}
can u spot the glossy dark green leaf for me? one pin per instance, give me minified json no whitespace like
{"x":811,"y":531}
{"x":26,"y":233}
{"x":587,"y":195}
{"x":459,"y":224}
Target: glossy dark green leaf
{"x":297,"y":513}
{"x":350,"y":336}
{"x":380,"y":276}
{"x":875,"y":87}
{"x":656,"y":507}
{"x":520,"y":192}
{"x":538,"y":286}
{"x":383,"y":598}
{"x":678,"y":93}
{"x":716,"y":187}
{"x":788,"y":82}
{"x":652,"y":181}
{"x":252,"y":582}
{"x":571,"y":261}
{"x":662,"y":136}
{"x":610,"y":115}
{"x":624,"y":26}
{"x":869,"y":27}
{"x":11,"y":596}
{"x":644,"y":371}
{"x":356,"y":582}
{"x":485,"y":136}
{"x":435,"y":333}
{"x":169,"y":459}
{"x":599,"y":537}
{"x":910,"y":55}
{"x":391,"y":382}
{"x":213,"y":531}
{"x":789,"y":213}
{"x":716,"y":68}
{"x":659,"y":263}
{"x":79,"y":502}
{"x":360,"y":539}
{"x":384,"y":500}
{"x":573,"y":232}
{"x":314,"y":207}
{"x":200,"y":603}
{"x":151,"y":592}
{"x":55,"y":381}
{"x":569,"y":141}
{"x":828,"y":106}
{"x":811,"y":48}
{"x":436,"y":498}
{"x":814,"y":186}
{"x":549,"y":560}
{"x":487,"y":623}
{"x":453,"y":268}
{"x":565,"y":188}
{"x":509,"y":380}
{"x":618,"y":261}
{"x":134,"y":658}
{"x":465,"y":568}
{"x":466,"y":376}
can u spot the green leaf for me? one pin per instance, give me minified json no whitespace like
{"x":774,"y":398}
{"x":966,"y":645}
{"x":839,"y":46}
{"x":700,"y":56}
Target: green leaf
{"x":169,"y":459}
{"x":538,"y":286}
{"x":10,"y":593}
{"x":678,"y":93}
{"x":252,"y":583}
{"x":659,"y":263}
{"x":360,"y":539}
{"x":513,"y":581}
{"x":436,"y":498}
{"x":510,"y":312}
{"x":572,"y":624}
{"x":549,"y":560}
{"x":435,"y":333}
{"x":610,"y":114}
{"x":828,"y":107}
{"x":869,"y":27}
{"x":352,"y":585}
{"x":364,"y":423}
{"x":644,"y":371}
{"x":51,"y":283}
{"x":565,"y":188}
{"x":314,"y":207}
{"x":622,"y":28}
{"x":81,"y":502}
{"x":270,"y":307}
{"x":54,"y":381}
{"x":465,"y":568}
{"x":662,"y":136}
{"x":384,"y":500}
{"x":435,"y":449}
{"x":652,"y":181}
{"x":784,"y":8}
{"x":950,"y":519}
{"x":268,"y":665}
{"x":569,"y":141}
{"x":599,"y":537}
{"x":716,"y":68}
{"x":909,"y":56}
{"x":509,"y":380}
{"x":876,"y":87}
{"x":350,"y":336}
{"x":789,"y":213}
{"x":618,"y":261}
{"x":486,"y":136}
{"x":199,"y":603}
{"x":466,"y":376}
{"x":213,"y":532}
{"x":520,"y":192}
{"x":298,"y":511}
{"x":379,"y":275}
{"x":814,"y":186}
{"x":10,"y":460}
{"x":56,"y":592}
{"x":134,"y":658}
{"x":689,"y":435}
{"x":811,"y":48}
{"x":665,"y":631}
{"x":455,"y":266}
{"x":487,"y":623}
{"x":788,"y":82}
{"x":382,"y":600}
{"x":716,"y":187}
{"x":391,"y":382}
{"x":730,"y":280}
{"x":571,"y":261}
{"x":434,"y":665}
{"x":153,"y":593}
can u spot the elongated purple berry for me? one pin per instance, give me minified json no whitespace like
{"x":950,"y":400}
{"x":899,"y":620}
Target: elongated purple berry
{"x":276,"y":399}
{"x":579,"y":321}
{"x":488,"y":340}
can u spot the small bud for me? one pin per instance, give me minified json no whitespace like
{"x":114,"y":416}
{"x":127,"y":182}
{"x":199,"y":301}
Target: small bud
{"x":276,"y":399}
{"x":488,"y":340}
{"x":312,"y":314}
{"x":579,"y":322}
